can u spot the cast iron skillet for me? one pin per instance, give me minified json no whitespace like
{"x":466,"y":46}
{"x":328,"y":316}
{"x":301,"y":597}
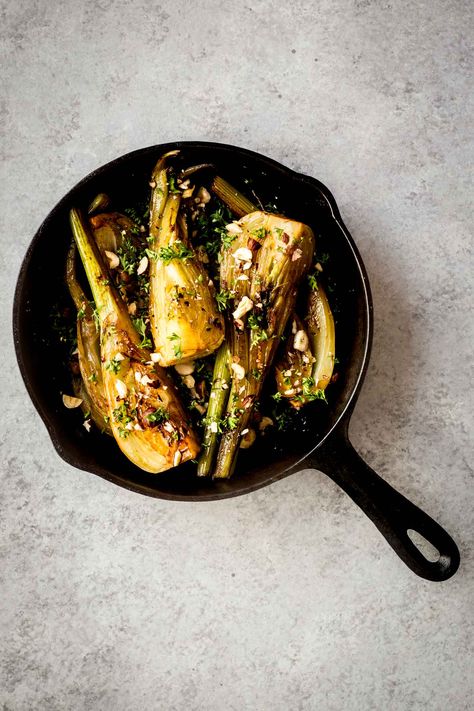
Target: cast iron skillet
{"x":320,"y":438}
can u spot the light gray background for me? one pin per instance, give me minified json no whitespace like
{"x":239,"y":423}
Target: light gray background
{"x":288,"y":598}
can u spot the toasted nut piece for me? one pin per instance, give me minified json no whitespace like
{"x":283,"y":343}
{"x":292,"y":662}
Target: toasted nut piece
{"x":248,"y":438}
{"x":264,"y":423}
{"x":184,"y":368}
{"x":114,"y":261}
{"x":243,"y":254}
{"x":71,"y":402}
{"x":234,"y":228}
{"x":146,"y":380}
{"x":301,"y":341}
{"x":203,"y":195}
{"x":239,"y":371}
{"x":143,"y":266}
{"x":245,"y":305}
{"x":189,"y":381}
{"x":121,"y":388}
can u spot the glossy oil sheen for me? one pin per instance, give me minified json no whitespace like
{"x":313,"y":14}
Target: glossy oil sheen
{"x":41,"y":284}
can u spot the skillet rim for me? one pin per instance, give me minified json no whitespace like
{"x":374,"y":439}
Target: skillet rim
{"x":344,"y":416}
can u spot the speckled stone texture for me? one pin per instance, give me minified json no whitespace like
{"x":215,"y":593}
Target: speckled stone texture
{"x":288,"y":598}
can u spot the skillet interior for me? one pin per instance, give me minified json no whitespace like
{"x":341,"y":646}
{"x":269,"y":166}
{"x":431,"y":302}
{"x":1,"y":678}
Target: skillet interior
{"x":41,"y":283}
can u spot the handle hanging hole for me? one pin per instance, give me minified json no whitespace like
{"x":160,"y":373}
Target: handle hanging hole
{"x":426,"y":548}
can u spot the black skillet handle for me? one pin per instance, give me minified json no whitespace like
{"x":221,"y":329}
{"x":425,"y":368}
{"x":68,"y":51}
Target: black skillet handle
{"x":391,"y":512}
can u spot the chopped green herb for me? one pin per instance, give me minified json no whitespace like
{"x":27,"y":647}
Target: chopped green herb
{"x":211,"y":229}
{"x":260,"y":233}
{"x":227,"y":423}
{"x":151,"y":253}
{"x":177,"y":346}
{"x":177,"y":250}
{"x":227,"y":238}
{"x":283,"y":419}
{"x":113,"y":365}
{"x":141,"y":326}
{"x":122,"y":416}
{"x":172,"y":184}
{"x":222,"y":298}
{"x":129,"y":256}
{"x":158,"y":416}
{"x":309,"y":393}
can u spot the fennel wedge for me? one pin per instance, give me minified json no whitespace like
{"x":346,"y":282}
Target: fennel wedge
{"x":184,"y":319}
{"x":145,"y":414}
{"x":305,"y":368}
{"x":90,"y":387}
{"x":260,"y":273}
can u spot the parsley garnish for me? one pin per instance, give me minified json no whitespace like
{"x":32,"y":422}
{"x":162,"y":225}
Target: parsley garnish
{"x":141,"y":327}
{"x":177,"y":346}
{"x":129,"y":256}
{"x":222,"y":298}
{"x":113,"y":365}
{"x":258,"y":334}
{"x":172,"y":184}
{"x":227,"y":423}
{"x":121,"y":415}
{"x":211,"y":228}
{"x":227,"y":238}
{"x":260,"y":233}
{"x":309,"y":393}
{"x":282,"y":420}
{"x":158,"y":416}
{"x":177,"y":250}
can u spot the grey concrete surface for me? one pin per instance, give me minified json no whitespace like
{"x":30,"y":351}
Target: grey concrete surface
{"x":288,"y":598}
